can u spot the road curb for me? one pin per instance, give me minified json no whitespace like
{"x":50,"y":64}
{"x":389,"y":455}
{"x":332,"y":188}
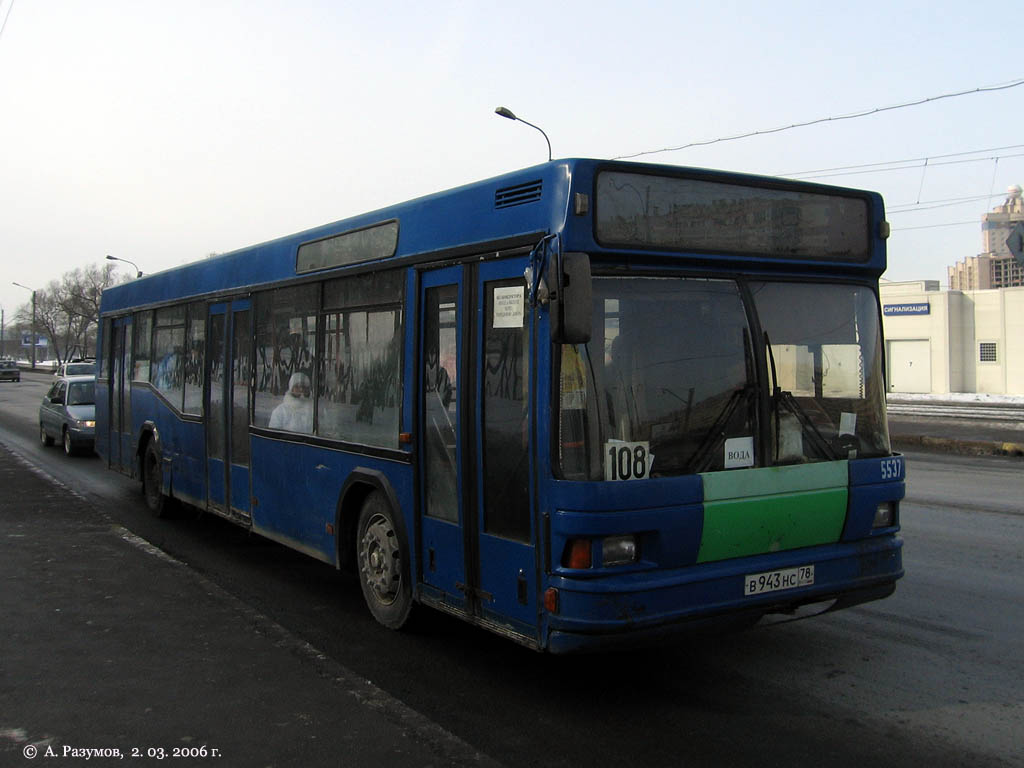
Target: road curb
{"x":962,"y":447}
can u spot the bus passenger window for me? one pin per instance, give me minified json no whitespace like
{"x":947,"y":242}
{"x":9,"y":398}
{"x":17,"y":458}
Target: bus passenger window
{"x":168,"y":349}
{"x":286,"y":323}
{"x":359,"y":382}
{"x":195,"y":357}
{"x":143,"y":330}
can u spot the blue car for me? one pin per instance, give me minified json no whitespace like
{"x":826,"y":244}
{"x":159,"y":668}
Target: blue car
{"x":68,"y":414}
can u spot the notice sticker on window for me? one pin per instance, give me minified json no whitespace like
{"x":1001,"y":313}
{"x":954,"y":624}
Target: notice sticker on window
{"x":848,"y":424}
{"x":508,"y":306}
{"x":739,"y":452}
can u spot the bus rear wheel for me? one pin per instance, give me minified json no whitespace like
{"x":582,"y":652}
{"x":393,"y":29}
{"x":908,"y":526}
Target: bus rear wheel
{"x":152,"y":482}
{"x":382,"y":559}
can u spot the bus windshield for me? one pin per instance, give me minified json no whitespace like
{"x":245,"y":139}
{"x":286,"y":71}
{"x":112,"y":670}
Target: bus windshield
{"x":670,"y":383}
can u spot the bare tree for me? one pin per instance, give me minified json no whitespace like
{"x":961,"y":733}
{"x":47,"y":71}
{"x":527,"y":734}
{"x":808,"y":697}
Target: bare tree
{"x":81,"y":290}
{"x":67,"y":310}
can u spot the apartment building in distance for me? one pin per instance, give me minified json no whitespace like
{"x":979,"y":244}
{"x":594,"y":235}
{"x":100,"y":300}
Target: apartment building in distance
{"x":995,"y":266}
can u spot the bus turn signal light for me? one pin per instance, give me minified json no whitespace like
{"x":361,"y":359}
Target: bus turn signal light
{"x":551,"y":600}
{"x":577,"y":554}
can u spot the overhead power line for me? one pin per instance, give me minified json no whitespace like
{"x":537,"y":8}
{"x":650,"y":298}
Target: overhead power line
{"x":900,"y":164}
{"x":930,"y":205}
{"x":806,"y":123}
{"x":924,"y":164}
{"x":936,"y":226}
{"x":3,"y":26}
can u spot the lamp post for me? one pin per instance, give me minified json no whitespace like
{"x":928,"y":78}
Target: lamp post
{"x":35,"y":336}
{"x":507,"y":113}
{"x":138,"y":272}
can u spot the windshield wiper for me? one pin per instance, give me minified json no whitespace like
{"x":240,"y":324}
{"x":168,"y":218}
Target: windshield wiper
{"x":807,"y":427}
{"x":716,"y":435}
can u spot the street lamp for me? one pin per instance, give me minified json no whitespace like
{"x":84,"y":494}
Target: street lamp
{"x":138,"y":272}
{"x":506,"y":112}
{"x":35,"y":336}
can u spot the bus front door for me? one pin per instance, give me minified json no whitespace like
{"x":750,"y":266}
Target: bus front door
{"x":477,"y":536}
{"x":229,"y":351}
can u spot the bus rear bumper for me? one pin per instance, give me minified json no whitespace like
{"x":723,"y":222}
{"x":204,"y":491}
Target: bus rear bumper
{"x":607,"y":613}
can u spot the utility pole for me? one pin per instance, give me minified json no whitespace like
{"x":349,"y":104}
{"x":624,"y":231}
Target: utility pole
{"x":35,"y":336}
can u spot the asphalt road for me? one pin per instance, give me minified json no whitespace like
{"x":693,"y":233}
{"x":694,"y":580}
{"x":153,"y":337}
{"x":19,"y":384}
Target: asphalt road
{"x":933,"y":675}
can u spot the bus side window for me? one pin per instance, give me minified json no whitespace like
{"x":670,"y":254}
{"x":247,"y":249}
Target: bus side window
{"x":168,"y":352}
{"x":195,"y":358}
{"x":286,"y":321}
{"x":143,"y":329}
{"x":359,"y":382}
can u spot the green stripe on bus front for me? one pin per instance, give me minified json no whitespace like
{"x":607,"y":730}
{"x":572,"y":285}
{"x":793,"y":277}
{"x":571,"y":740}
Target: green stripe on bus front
{"x":744,"y":483}
{"x":754,"y":511}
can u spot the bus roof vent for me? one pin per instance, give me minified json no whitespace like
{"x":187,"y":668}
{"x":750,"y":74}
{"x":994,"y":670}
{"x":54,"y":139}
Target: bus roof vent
{"x":518,"y":195}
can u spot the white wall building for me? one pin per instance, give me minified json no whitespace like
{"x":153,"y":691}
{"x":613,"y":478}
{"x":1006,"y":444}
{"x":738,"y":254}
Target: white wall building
{"x":953,"y":341}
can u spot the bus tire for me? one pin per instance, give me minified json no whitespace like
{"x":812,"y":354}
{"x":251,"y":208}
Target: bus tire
{"x":152,"y":480}
{"x":382,"y":560}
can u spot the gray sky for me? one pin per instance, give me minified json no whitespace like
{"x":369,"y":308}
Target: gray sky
{"x":161,"y":132}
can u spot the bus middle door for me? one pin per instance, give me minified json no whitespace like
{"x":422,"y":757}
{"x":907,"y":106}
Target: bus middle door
{"x":442,"y":446}
{"x":229,"y":353}
{"x":119,"y":406}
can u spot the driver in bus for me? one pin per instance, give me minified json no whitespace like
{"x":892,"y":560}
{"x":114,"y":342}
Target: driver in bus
{"x":295,"y":413}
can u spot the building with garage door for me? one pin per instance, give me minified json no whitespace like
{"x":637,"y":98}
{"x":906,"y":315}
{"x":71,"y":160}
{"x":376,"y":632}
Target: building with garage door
{"x":953,"y":341}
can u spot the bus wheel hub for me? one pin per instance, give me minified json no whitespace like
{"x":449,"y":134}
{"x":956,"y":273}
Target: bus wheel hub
{"x":380,"y":564}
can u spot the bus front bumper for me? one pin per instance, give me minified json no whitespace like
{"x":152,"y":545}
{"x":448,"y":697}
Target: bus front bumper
{"x":636,"y":608}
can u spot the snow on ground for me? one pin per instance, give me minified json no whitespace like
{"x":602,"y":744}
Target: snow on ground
{"x":957,"y":397}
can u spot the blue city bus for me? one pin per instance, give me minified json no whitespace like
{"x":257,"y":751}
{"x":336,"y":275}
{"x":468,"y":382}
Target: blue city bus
{"x":584,"y":404}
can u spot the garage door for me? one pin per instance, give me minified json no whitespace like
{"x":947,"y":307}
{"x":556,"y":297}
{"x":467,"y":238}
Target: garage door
{"x":910,"y":366}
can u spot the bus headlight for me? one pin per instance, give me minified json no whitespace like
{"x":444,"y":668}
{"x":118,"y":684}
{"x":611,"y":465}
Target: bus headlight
{"x":618,"y":550}
{"x":885,"y":515}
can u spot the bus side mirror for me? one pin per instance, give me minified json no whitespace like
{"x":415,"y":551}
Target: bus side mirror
{"x":571,"y":301}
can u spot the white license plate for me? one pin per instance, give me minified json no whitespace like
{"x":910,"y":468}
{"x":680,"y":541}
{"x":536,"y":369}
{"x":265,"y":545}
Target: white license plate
{"x":773,"y":581}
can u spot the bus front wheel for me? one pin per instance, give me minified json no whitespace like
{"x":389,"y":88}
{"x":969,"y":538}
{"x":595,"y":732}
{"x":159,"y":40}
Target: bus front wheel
{"x":383,"y":562}
{"x":152,"y":481}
